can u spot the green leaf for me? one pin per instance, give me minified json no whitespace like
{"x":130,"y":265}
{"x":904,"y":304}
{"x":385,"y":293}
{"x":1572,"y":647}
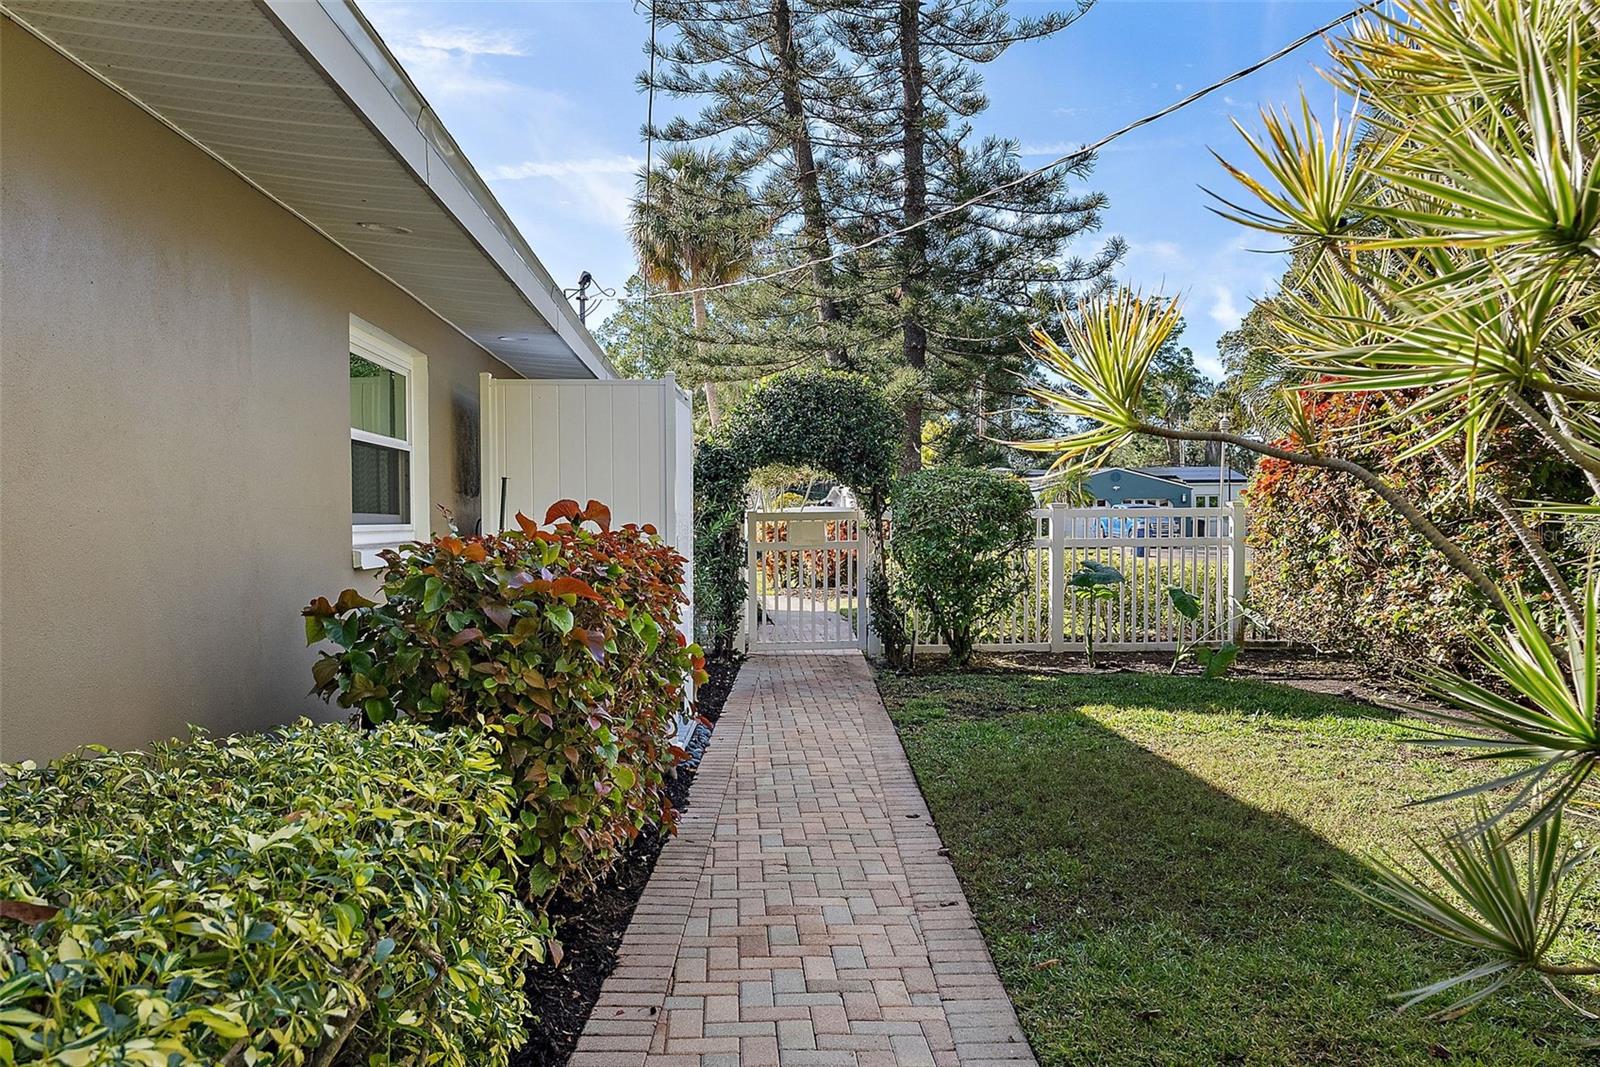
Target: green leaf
{"x":434,"y":594}
{"x":1217,"y":660}
{"x":647,"y":630}
{"x":1091,"y":574}
{"x":1184,"y":601}
{"x":561,"y":616}
{"x":540,"y":879}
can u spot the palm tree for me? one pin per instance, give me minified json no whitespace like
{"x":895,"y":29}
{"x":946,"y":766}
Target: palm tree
{"x":695,"y":225}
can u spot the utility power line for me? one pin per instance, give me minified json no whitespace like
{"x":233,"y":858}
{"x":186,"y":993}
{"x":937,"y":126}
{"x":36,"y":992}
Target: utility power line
{"x":1070,"y":157}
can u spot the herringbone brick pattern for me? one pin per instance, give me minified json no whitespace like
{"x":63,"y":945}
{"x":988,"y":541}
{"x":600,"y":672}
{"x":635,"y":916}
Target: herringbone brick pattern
{"x":804,"y":914}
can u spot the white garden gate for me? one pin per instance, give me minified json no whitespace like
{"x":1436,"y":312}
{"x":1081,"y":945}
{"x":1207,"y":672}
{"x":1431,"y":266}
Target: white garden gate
{"x":807,"y":575}
{"x":806,"y":579}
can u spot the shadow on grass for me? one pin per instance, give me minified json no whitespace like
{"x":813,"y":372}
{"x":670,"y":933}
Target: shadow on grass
{"x":980,"y":694}
{"x":1139,"y":914}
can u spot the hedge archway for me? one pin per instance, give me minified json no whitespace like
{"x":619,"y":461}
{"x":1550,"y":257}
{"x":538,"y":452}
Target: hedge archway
{"x":834,"y":421}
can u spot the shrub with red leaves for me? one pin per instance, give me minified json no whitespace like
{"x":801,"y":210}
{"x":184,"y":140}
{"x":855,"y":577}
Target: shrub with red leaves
{"x":1336,"y":567}
{"x":559,"y":639}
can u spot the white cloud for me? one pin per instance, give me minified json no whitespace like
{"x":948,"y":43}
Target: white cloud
{"x":599,"y":186}
{"x":468,"y":40}
{"x":1157,"y":251}
{"x":443,"y":56}
{"x":1053,"y":149}
{"x":564,"y":168}
{"x":1224,"y":312}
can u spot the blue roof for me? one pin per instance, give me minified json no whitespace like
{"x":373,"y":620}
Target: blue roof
{"x":1191,"y":474}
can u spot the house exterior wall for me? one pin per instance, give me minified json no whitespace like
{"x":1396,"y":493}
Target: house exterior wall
{"x":174,"y":424}
{"x":1116,"y":485}
{"x":1226,"y":493}
{"x":627,"y":443}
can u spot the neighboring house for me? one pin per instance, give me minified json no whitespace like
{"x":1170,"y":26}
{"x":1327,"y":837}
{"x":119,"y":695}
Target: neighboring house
{"x":1209,"y":486}
{"x":1123,"y":487}
{"x":248,"y":286}
{"x":1182,"y":487}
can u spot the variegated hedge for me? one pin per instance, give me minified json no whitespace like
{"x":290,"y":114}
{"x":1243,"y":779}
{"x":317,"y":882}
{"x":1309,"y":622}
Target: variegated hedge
{"x":318,"y":896}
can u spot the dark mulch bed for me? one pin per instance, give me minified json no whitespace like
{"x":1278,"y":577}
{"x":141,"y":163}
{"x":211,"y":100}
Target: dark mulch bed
{"x":560,"y":999}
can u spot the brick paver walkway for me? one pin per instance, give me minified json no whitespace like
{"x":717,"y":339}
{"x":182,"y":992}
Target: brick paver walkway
{"x":804,"y":914}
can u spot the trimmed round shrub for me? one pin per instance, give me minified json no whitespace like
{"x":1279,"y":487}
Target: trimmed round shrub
{"x":322,"y":895}
{"x":958,"y":539}
{"x":563,"y":642}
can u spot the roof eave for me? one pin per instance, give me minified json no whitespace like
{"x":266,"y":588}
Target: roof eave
{"x":335,"y":37}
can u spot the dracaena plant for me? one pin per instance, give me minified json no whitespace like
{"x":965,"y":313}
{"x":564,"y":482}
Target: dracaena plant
{"x":1448,"y":227}
{"x":559,"y":638}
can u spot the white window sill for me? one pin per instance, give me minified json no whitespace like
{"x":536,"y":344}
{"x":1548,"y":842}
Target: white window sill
{"x":366,"y":558}
{"x":364,"y":553}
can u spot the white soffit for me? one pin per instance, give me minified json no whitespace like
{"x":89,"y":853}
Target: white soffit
{"x":303,"y":100}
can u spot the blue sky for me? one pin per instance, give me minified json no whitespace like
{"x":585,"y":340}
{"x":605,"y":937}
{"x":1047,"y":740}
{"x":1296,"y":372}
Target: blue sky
{"x":541,"y":96}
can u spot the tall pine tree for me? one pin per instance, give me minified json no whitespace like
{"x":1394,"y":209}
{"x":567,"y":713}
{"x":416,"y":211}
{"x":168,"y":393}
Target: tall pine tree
{"x":987,"y":268}
{"x":853,"y":121}
{"x":764,"y":75}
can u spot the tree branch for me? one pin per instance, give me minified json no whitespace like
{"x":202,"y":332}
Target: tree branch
{"x":1409,"y":511}
{"x":1525,"y":537}
{"x":1564,"y":447}
{"x":1558,"y":415}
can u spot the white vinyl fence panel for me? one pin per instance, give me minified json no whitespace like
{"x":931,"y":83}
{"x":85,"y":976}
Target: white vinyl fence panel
{"x":807,"y":578}
{"x":626,"y":443}
{"x":1200,"y":550}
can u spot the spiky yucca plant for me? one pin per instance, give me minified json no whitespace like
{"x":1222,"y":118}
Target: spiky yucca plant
{"x":1505,"y":907}
{"x":1451,"y":227}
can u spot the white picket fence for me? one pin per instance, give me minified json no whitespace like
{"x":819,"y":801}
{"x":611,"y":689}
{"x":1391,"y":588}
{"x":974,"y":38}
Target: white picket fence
{"x":808,"y":571}
{"x":1199,"y":550}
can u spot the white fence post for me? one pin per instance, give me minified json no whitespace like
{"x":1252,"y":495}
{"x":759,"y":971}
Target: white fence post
{"x":1237,"y":590}
{"x":1058,"y":578}
{"x":752,"y":612}
{"x":866,"y":559}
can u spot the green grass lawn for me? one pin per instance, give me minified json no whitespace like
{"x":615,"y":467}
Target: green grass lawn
{"x":1154,"y":862}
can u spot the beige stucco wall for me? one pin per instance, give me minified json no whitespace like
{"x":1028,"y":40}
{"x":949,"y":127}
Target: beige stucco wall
{"x":174,"y":423}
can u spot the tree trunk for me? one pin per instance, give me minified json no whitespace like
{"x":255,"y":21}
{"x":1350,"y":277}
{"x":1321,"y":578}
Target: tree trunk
{"x":914,"y":269}
{"x":713,"y":406}
{"x":813,"y":216}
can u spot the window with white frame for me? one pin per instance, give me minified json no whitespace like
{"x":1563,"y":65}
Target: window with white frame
{"x":388,"y":443}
